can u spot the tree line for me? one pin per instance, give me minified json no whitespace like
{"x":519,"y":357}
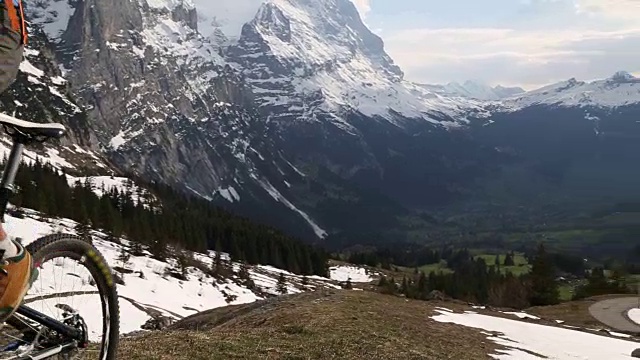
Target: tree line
{"x":475,"y":281}
{"x":166,"y":218}
{"x":407,"y":255}
{"x":414,"y":255}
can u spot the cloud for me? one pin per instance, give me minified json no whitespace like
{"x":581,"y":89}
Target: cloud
{"x":613,"y":9}
{"x":513,"y":57}
{"x":534,"y":43}
{"x":363,"y":6}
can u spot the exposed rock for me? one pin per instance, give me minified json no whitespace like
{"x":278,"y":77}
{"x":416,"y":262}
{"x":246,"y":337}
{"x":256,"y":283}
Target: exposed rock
{"x":437,"y":295}
{"x":157,"y":323}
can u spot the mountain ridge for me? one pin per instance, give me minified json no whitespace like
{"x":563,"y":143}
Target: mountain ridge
{"x":300,"y":116}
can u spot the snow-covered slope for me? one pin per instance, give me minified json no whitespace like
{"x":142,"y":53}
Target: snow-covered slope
{"x":621,"y":89}
{"x":474,"y":90}
{"x":524,"y":340}
{"x":149,"y":290}
{"x":305,"y":57}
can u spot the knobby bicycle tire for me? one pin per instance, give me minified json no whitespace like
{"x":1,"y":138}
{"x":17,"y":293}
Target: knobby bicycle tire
{"x":64,"y":245}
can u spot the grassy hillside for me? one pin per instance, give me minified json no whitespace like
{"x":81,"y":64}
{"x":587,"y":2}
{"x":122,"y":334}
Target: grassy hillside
{"x":320,"y":325}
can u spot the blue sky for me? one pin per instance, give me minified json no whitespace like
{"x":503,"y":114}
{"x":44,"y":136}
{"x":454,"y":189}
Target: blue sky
{"x":510,"y":42}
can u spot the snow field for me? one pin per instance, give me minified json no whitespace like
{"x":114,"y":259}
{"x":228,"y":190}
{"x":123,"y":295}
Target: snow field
{"x":524,"y":340}
{"x":356,"y":274}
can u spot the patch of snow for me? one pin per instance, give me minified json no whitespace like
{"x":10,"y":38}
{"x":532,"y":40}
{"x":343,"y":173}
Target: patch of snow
{"x":522,"y":340}
{"x":52,"y":15}
{"x":443,"y":309}
{"x":522,"y":315}
{"x":223,"y":20}
{"x":52,"y":157}
{"x":122,"y":138}
{"x":634,"y":315}
{"x":27,"y":67}
{"x":276,"y":195}
{"x":117,"y":141}
{"x":230,"y":194}
{"x":356,"y":274}
{"x":617,"y":334}
{"x":102,"y":184}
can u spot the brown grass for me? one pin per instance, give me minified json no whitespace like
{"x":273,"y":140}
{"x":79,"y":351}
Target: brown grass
{"x":319,"y":325}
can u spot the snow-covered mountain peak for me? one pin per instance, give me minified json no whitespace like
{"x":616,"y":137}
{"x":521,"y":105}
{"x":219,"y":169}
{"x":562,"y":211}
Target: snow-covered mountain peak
{"x":304,"y":57}
{"x":319,"y":34}
{"x":505,"y":92}
{"x":473,"y":89}
{"x":622,"y":77}
{"x":621,"y":89}
{"x":170,"y":4}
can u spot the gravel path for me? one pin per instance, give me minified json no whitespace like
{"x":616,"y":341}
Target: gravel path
{"x":613,"y":313}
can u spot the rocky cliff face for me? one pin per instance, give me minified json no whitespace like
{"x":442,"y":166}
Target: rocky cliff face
{"x":163,"y":103}
{"x":157,"y":105}
{"x":42,"y":93}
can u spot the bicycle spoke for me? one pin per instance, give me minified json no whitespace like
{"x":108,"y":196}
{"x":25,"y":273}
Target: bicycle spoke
{"x":62,"y":299}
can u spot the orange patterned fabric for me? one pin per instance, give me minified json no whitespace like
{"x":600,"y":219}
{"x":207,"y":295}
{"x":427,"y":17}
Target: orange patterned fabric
{"x":14,"y":283}
{"x":23,"y":23}
{"x":16,"y":17}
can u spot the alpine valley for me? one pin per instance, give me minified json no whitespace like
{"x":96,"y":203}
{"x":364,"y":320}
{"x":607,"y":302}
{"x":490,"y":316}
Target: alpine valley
{"x":295,"y":116}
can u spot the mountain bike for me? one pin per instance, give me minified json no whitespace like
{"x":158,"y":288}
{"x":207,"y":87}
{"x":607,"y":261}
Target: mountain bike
{"x":77,"y":323}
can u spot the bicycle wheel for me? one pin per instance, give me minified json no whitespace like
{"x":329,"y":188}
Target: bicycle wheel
{"x":74,"y":286}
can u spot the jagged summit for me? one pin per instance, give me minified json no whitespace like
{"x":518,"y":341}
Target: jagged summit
{"x":621,"y":89}
{"x":622,"y":76}
{"x":262,"y":105}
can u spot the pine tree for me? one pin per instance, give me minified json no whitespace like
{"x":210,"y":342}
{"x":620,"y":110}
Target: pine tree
{"x":347,"y":284}
{"x":136,"y":249}
{"x":281,"y":286}
{"x":404,"y":289}
{"x":245,"y":276}
{"x":84,"y":230}
{"x":544,"y":288}
{"x":422,"y":285}
{"x":185,"y":259}
{"x":508,"y":260}
{"x":124,"y":257}
{"x":218,"y":263}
